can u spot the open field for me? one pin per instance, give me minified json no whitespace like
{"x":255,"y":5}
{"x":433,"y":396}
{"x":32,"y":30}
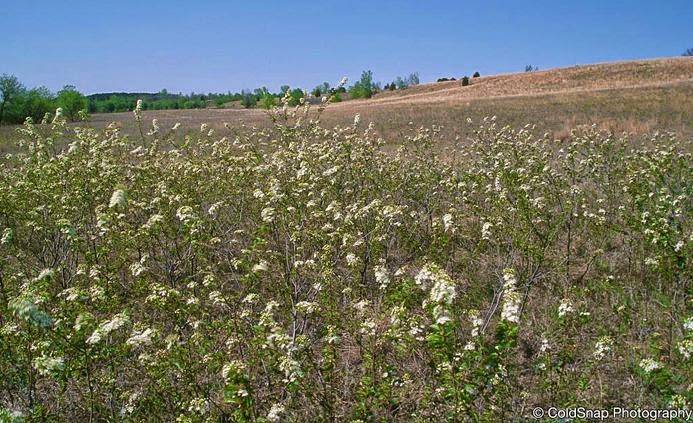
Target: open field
{"x":634,"y":97}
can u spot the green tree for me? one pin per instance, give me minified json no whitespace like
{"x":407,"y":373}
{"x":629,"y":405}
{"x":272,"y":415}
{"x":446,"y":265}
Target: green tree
{"x":248,"y":100}
{"x":71,"y":101}
{"x":364,"y":87}
{"x":400,"y":83}
{"x":268,"y":101}
{"x":10,"y":89}
{"x":296,"y":96}
{"x":413,"y":79}
{"x":36,"y":103}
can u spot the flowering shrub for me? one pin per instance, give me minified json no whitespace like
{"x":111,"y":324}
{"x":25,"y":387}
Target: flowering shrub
{"x":312,"y":274}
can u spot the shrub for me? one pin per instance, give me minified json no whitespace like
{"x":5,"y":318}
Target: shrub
{"x":688,"y":52}
{"x":248,"y":99}
{"x":268,"y":101}
{"x":308,"y":273}
{"x":465,"y":81}
{"x":476,"y":75}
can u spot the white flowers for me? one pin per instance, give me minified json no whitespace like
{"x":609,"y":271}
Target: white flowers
{"x":231,"y":369}
{"x":46,"y":365}
{"x":107,"y":327}
{"x":476,"y":321}
{"x":185,"y":214}
{"x":442,"y":292}
{"x":140,"y":337}
{"x":138,"y":111}
{"x":649,"y":365}
{"x":448,"y":222}
{"x":511,"y":298}
{"x":381,"y":276}
{"x":425,"y":275}
{"x":352,"y":260}
{"x":275,"y":412}
{"x":685,"y":348}
{"x":262,"y":266}
{"x":268,"y":214}
{"x":602,"y":347}
{"x":118,"y":199}
{"x":357,"y":119}
{"x":486,"y":231}
{"x":137,"y":269}
{"x":688,"y":324}
{"x":6,"y":236}
{"x":307,"y":307}
{"x":565,"y":308}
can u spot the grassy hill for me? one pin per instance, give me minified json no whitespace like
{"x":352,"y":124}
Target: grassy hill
{"x":636,"y":97}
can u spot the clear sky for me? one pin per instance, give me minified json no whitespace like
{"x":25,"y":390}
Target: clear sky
{"x":205,"y":45}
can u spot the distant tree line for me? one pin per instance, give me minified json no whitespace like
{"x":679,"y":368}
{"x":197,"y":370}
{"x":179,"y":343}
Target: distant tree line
{"x":18,"y":102}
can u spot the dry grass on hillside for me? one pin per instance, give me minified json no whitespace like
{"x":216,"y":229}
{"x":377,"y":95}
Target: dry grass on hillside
{"x":635,"y":97}
{"x":661,"y":72}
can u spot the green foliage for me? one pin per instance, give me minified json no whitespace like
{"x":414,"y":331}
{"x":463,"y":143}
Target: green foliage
{"x":476,"y":75}
{"x":71,"y":101}
{"x":267,"y":101}
{"x":11,"y":91}
{"x":296,"y":97}
{"x":464,"y":81}
{"x":248,"y":100}
{"x":364,"y":87}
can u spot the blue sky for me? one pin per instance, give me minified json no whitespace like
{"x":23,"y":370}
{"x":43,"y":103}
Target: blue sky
{"x":204,"y":46}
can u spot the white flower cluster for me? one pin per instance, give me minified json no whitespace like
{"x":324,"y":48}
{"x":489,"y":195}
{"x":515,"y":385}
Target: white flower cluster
{"x":565,"y":308}
{"x":118,"y":199}
{"x":141,"y":337}
{"x":649,"y":365}
{"x":442,"y":292}
{"x":118,"y":321}
{"x":511,"y":298}
{"x":602,"y":347}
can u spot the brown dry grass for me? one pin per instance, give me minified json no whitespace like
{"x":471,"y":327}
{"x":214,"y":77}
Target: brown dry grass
{"x":636,"y":97}
{"x":650,"y":73}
